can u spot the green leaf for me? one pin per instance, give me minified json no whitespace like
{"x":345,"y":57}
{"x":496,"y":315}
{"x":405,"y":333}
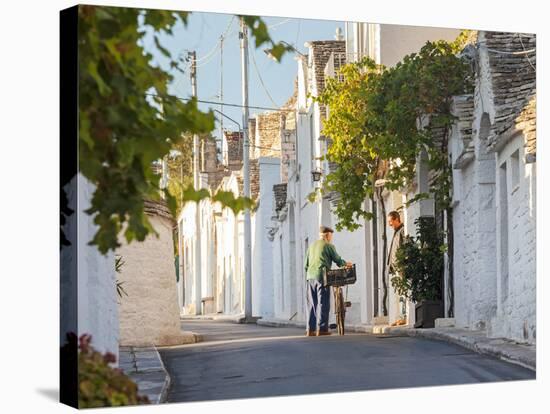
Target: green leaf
{"x":162,"y":49}
{"x":121,"y":132}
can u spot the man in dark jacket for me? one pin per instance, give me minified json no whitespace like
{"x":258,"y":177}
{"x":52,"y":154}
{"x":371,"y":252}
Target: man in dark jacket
{"x":394,"y":221}
{"x":319,"y":257}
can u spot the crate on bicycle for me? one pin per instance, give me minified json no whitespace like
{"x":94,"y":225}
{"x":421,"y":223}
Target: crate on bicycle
{"x":340,"y":277}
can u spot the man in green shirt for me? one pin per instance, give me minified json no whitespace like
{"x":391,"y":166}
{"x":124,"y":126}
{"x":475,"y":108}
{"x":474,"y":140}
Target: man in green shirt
{"x":319,"y":257}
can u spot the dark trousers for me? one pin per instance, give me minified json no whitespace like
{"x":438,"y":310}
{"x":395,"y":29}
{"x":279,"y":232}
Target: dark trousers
{"x":318,"y":306}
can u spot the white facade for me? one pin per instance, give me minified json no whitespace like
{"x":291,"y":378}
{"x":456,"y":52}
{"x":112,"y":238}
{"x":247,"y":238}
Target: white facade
{"x":262,"y":259}
{"x":494,"y":218}
{"x":387,"y":44}
{"x":298,"y":222}
{"x":187,"y":285}
{"x":95,"y":291}
{"x":222,"y":252}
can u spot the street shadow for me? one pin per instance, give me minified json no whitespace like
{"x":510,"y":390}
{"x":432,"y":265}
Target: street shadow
{"x":51,"y":393}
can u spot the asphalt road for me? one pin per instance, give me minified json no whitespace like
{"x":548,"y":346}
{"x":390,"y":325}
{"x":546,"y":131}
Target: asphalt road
{"x":244,"y":361}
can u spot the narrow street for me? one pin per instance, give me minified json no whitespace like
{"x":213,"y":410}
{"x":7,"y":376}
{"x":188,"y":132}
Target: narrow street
{"x":246,"y":361}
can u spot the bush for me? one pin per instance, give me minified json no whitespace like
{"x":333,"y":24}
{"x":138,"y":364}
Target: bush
{"x":99,"y":384}
{"x":420,"y":263}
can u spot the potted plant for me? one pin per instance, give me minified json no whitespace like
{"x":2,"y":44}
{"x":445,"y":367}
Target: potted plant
{"x":419,"y":270}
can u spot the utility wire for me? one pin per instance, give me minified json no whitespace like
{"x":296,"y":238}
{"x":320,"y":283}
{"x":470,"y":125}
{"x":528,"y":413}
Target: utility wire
{"x":279,"y":23}
{"x":218,"y":103}
{"x":210,"y":55}
{"x":260,"y":77}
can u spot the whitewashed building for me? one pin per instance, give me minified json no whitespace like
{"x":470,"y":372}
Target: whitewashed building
{"x":222,"y":280}
{"x":296,"y":220}
{"x":88,"y":278}
{"x":494,"y":159}
{"x":387,"y":45}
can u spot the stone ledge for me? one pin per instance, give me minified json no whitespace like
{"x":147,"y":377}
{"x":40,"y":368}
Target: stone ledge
{"x":238,"y":318}
{"x":145,"y":367}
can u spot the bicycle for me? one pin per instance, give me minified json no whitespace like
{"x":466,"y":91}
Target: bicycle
{"x":337,"y":278}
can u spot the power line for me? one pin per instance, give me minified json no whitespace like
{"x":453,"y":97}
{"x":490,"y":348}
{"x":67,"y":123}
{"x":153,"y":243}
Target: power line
{"x":218,"y":103}
{"x":218,"y":43}
{"x":260,"y":78}
{"x":279,"y":23}
{"x":210,"y":55}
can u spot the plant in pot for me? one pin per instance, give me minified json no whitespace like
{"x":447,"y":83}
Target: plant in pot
{"x":419,"y":270}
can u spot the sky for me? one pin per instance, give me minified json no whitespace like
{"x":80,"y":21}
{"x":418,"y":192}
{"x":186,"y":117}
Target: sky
{"x":202,"y":34}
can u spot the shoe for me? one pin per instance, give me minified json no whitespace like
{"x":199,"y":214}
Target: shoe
{"x":323,"y":333}
{"x":308,"y":333}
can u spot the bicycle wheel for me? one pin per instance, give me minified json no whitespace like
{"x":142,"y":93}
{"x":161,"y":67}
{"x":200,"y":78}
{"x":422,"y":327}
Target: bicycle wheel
{"x":339,"y":308}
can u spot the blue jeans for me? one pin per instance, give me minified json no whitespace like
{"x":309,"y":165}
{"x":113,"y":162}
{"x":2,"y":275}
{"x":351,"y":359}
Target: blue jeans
{"x":318,"y":306}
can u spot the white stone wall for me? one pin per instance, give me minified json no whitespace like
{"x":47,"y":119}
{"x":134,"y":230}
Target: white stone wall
{"x":475,"y":246}
{"x":149,"y":315}
{"x":187,"y":224}
{"x":516,"y":253}
{"x":494,"y":228}
{"x":351,"y":247}
{"x":97,"y":297}
{"x":262,"y":258}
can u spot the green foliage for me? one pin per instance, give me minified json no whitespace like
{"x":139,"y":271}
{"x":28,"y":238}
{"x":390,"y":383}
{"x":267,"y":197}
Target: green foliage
{"x":419,"y":263}
{"x":100,"y":385}
{"x":236,"y":204}
{"x":465,"y":37}
{"x":127,"y":120}
{"x":382,"y":118}
{"x":180,"y":167}
{"x":120,"y":132}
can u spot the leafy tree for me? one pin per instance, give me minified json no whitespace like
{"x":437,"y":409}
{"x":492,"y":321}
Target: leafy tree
{"x":420,"y":263}
{"x":180,"y":168}
{"x":127,"y":119}
{"x":381,"y":119}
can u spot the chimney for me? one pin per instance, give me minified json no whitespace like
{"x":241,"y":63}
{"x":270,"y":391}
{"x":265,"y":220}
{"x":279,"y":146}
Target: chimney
{"x":210,"y":158}
{"x":233,"y":146}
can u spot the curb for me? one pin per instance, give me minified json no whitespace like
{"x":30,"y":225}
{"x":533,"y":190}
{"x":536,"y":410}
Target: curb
{"x":239,"y":318}
{"x":167,"y":380}
{"x":145,"y":367}
{"x":214,"y":317}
